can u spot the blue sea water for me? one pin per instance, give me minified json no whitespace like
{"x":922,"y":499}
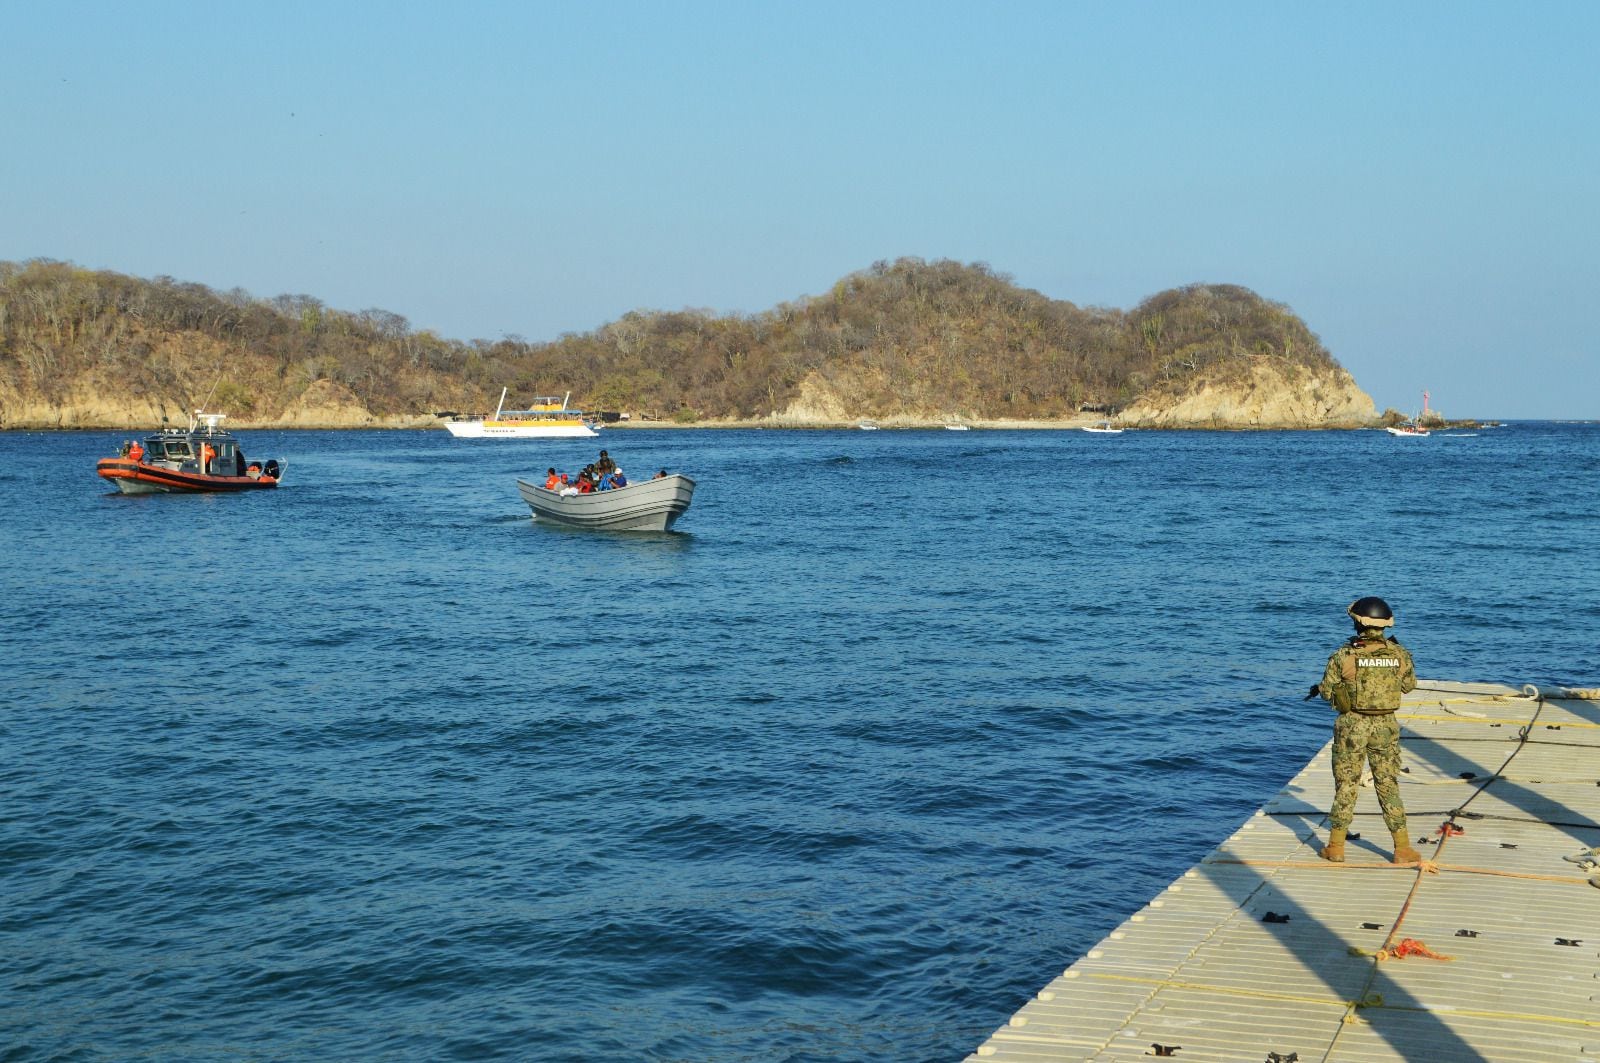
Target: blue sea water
{"x":374,"y":767}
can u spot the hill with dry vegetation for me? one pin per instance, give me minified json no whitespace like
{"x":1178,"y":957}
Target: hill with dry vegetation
{"x":907,"y":341}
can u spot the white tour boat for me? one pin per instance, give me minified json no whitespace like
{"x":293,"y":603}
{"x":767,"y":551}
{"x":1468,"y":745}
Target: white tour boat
{"x":546,"y":417}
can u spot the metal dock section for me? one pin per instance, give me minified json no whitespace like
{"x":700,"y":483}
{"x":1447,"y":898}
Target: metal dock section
{"x":1265,"y":953}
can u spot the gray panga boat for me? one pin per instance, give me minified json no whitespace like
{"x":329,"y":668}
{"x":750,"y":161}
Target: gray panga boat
{"x":645,"y":505}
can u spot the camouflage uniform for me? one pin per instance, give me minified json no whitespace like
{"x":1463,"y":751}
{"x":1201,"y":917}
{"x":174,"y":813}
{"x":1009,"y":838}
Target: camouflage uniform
{"x":1364,"y":680}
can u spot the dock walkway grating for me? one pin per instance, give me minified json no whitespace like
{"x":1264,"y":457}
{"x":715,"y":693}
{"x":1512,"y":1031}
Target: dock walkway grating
{"x":1265,"y":952}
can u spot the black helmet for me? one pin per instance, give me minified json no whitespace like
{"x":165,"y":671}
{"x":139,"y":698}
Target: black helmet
{"x":1371,"y":612}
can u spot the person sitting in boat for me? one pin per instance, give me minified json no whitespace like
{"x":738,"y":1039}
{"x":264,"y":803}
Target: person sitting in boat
{"x":553,"y":481}
{"x":617,"y":479}
{"x":136,"y":451}
{"x":605,"y":464}
{"x":662,"y":475}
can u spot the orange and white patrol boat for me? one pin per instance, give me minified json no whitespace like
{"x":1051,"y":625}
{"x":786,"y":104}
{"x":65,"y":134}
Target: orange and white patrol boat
{"x":202,"y":457}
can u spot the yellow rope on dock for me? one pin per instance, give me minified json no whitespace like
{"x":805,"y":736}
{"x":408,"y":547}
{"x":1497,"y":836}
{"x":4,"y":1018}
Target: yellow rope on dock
{"x":1505,"y":722}
{"x":1427,"y":867}
{"x":1232,"y":991}
{"x":1524,"y":1016}
{"x":1369,"y":1000}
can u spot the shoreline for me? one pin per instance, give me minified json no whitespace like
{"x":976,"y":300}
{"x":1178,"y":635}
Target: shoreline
{"x":430,"y":424}
{"x":426,"y":423}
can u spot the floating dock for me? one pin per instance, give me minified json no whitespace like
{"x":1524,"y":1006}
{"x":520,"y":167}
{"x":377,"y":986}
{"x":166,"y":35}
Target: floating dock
{"x":1489,"y":950}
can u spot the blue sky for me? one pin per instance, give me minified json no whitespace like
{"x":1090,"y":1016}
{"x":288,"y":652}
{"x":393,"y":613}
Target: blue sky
{"x":1416,"y":181}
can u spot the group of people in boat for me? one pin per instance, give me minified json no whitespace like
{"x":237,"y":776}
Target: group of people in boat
{"x":599,"y":475}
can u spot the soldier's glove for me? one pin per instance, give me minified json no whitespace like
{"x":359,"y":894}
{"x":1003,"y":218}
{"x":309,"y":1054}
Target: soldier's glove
{"x":1316,"y":692}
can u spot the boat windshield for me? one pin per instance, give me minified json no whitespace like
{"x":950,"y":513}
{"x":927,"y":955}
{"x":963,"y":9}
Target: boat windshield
{"x":173,"y":448}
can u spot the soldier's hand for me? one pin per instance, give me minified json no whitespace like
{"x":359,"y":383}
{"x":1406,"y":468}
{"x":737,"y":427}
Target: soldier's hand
{"x":1316,"y":692}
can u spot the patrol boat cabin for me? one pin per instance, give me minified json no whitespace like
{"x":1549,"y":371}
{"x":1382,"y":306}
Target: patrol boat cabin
{"x":201,"y":457}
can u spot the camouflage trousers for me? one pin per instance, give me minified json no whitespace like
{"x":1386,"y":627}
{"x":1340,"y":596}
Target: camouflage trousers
{"x":1359,"y":739}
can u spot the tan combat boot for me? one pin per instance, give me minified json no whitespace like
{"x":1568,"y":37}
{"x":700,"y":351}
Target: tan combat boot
{"x":1334,"y":850}
{"x":1403,"y":853}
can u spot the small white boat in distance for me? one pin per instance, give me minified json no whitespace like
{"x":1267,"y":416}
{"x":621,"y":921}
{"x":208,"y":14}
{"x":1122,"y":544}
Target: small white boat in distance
{"x":546,"y":417}
{"x":1104,"y":428}
{"x":867,"y":426}
{"x":1413,"y":427}
{"x":957,"y":428}
{"x":644,"y":505}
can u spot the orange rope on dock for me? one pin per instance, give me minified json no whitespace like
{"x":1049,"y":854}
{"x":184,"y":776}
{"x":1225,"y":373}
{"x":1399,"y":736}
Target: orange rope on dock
{"x":1406,"y":947}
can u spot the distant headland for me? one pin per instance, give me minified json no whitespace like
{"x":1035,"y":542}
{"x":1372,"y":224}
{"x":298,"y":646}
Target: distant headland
{"x":903,"y":344}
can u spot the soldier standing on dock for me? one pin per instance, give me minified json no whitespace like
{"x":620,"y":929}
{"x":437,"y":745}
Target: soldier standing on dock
{"x":1364,"y":680}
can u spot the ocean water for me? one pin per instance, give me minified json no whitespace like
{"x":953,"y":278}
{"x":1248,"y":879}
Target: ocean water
{"x":373,"y":767}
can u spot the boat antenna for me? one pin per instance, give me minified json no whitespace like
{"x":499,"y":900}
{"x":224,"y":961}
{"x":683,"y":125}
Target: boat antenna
{"x":213,"y":391}
{"x":501,"y":403}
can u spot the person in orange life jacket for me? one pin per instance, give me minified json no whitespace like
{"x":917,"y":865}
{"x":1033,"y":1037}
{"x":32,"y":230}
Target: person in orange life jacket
{"x":553,"y":481}
{"x":207,"y":452}
{"x":585,"y":485}
{"x":136,"y":452}
{"x":1364,"y":680}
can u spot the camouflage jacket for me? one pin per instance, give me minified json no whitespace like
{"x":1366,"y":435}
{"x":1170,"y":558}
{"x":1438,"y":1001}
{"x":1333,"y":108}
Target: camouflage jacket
{"x":1368,"y":675}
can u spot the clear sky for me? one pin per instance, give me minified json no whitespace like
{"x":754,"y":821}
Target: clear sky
{"x":1418,"y":181}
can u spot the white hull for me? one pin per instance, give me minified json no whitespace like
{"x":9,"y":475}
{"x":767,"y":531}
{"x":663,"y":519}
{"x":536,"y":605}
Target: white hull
{"x":491,"y":430}
{"x":648,"y":505}
{"x":1397,"y":431}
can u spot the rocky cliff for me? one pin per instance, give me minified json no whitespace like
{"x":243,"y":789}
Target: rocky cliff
{"x":88,"y":405}
{"x":1257,"y":392}
{"x":1265,"y":393}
